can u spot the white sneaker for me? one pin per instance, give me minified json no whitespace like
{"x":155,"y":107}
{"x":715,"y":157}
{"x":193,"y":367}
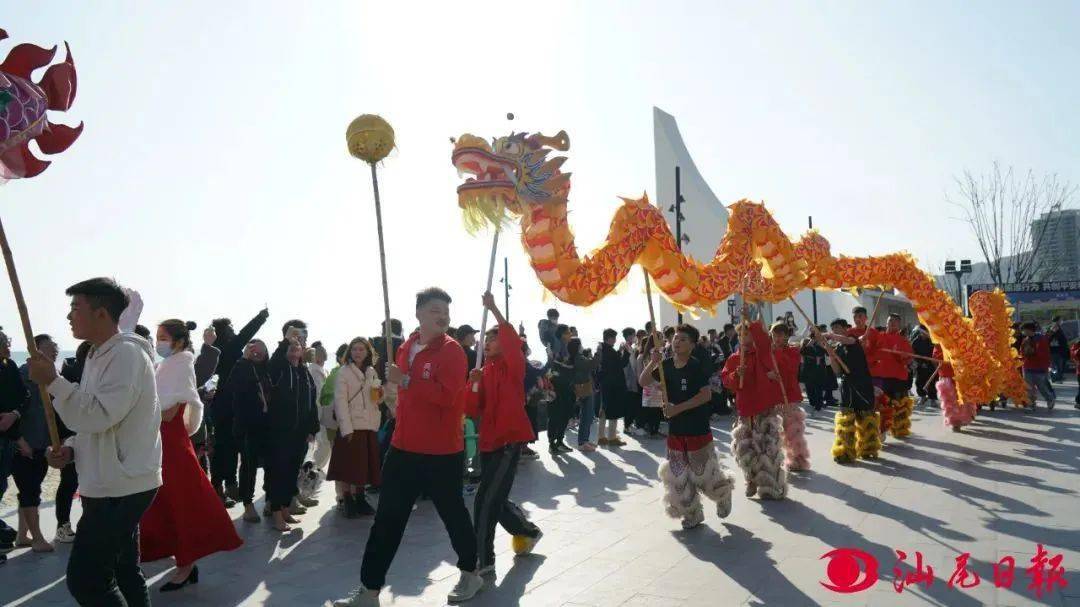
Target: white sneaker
{"x":64,"y":534}
{"x":361,"y":597}
{"x":530,"y":542}
{"x":486,"y":570}
{"x":638,"y":431}
{"x":468,"y":585}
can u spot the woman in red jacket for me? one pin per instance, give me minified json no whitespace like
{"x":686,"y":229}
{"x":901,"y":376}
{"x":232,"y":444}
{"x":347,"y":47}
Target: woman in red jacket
{"x":499,"y":401}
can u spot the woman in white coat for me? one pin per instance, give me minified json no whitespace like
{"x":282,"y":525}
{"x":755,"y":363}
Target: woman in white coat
{"x":186,"y":520}
{"x":355,"y":460}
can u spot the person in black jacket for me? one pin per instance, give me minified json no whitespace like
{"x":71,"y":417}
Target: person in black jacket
{"x":814,"y":371}
{"x":292,"y":422}
{"x":13,"y":400}
{"x":612,"y":374}
{"x":924,"y":369}
{"x":379,"y":344}
{"x":225,"y":450}
{"x":250,"y":387}
{"x":1059,"y":350}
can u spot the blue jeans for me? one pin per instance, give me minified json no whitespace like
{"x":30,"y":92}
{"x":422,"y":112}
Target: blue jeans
{"x":1039,"y":380}
{"x":584,"y":430}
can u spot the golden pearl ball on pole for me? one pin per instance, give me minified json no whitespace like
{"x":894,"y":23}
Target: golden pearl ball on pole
{"x":370,"y":138}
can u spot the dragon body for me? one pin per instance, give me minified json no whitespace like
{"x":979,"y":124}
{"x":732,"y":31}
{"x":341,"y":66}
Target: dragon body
{"x":515,"y":177}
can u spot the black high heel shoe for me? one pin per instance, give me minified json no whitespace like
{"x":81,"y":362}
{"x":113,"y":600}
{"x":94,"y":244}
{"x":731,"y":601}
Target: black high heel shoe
{"x":192,"y":578}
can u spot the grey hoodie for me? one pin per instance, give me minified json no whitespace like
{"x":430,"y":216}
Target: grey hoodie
{"x":115,"y":414}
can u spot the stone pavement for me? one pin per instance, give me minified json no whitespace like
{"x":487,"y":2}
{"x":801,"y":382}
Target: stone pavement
{"x":1005,"y":484}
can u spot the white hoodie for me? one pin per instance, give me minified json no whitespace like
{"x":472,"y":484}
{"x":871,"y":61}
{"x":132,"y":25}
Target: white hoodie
{"x":114,"y":411}
{"x":176,"y":384}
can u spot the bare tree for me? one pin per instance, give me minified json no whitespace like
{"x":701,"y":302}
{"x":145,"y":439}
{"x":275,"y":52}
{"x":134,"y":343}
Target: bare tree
{"x":1002,"y":208}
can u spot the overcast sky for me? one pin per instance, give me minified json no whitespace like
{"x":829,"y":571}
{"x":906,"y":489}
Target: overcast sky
{"x":212,"y":174}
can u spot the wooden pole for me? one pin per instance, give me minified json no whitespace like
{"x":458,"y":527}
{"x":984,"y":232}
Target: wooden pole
{"x":657,"y":335}
{"x":31,"y":346}
{"x":387,"y":334}
{"x":821,"y":338}
{"x":484,"y":318}
{"x":927,"y":358}
{"x":930,"y":381}
{"x":873,"y":317}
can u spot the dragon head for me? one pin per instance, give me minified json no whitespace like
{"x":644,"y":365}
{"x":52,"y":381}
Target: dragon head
{"x":509,"y":174}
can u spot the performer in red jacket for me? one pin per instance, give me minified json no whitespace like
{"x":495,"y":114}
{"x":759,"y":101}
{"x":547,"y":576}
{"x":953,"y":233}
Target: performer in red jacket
{"x":751,"y":375}
{"x":788,"y":357}
{"x":890,"y":371}
{"x":499,"y":401}
{"x":427,"y":452}
{"x":692,"y":466}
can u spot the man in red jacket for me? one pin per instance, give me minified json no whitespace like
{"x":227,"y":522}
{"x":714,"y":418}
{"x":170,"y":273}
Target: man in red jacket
{"x":755,"y":439}
{"x":499,"y":401}
{"x":427,"y":452}
{"x":1035,"y":348}
{"x":890,"y":372}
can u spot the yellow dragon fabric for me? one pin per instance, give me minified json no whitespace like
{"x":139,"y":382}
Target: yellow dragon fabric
{"x":513,"y":177}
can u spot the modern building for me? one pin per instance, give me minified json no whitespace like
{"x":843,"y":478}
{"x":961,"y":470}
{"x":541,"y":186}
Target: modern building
{"x":704,"y":223}
{"x":1058,"y":236}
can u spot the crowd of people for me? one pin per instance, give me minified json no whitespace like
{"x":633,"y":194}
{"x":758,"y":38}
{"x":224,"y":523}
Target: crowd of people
{"x":416,"y":417}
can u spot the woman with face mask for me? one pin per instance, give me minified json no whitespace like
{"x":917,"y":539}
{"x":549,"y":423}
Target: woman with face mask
{"x":186,"y":520}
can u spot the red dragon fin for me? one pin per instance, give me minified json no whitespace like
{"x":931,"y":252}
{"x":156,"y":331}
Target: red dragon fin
{"x":26,"y":58}
{"x":3,"y":34}
{"x":59,"y":83}
{"x":57,"y":137}
{"x":18,"y":162}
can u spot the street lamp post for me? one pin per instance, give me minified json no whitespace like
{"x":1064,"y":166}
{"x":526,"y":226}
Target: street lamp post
{"x":959,"y":271}
{"x":676,"y":208}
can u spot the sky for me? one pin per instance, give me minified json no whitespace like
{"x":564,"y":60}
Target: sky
{"x":213,"y":177}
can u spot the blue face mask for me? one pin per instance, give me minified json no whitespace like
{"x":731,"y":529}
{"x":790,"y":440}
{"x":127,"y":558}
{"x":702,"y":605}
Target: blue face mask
{"x":164,"y":349}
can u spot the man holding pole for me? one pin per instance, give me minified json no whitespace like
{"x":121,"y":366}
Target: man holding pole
{"x":692,"y":465}
{"x":113,"y":410}
{"x":426,"y":453}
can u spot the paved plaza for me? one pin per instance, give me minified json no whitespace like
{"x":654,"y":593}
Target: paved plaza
{"x":1004,"y":485}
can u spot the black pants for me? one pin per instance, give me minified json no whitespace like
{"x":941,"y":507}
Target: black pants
{"x":29,"y":472}
{"x":252,"y":457}
{"x":815,"y":394}
{"x":65,"y":493}
{"x":285,"y":456}
{"x":405,"y":475}
{"x":632,"y":408}
{"x":649,"y":419}
{"x":103,"y":569}
{"x":223,"y":457}
{"x":559,"y":415}
{"x":922,"y":375}
{"x":492,"y":505}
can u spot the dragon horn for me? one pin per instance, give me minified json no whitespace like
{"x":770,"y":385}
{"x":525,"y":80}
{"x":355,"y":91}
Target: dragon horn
{"x":560,"y":142}
{"x":59,"y":83}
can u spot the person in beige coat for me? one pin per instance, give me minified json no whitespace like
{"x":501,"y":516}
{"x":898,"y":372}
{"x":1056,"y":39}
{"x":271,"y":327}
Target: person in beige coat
{"x":355,"y":460}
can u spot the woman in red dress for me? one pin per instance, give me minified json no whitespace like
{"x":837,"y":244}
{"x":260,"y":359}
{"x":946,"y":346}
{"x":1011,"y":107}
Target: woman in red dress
{"x":186,"y":520}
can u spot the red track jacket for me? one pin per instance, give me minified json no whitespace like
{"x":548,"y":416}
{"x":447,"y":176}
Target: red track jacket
{"x":500,"y":401}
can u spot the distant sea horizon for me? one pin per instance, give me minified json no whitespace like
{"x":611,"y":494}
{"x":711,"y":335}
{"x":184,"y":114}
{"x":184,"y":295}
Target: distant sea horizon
{"x":20,"y":356}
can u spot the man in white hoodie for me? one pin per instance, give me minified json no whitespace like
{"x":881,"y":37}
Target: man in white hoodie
{"x":117,"y":446}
